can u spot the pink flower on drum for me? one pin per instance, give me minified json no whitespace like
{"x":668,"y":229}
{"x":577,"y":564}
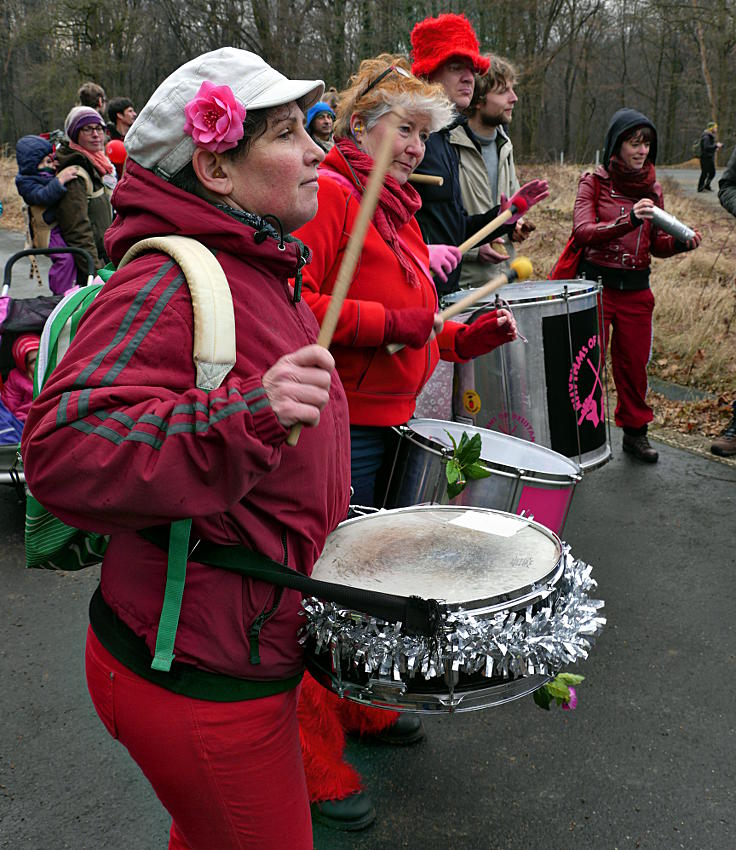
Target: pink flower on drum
{"x":215,"y":118}
{"x":572,"y":703}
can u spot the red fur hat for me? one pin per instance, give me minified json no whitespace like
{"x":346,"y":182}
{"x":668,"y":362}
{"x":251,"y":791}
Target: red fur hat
{"x":435,"y":40}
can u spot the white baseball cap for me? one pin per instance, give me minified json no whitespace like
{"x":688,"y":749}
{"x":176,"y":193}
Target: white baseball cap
{"x":157,"y":140}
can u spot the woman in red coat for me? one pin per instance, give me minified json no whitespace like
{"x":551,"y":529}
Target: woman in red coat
{"x":613,"y":221}
{"x":392,"y":299}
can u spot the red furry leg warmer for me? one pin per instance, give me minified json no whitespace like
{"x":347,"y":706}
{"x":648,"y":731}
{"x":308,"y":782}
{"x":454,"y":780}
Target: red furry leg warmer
{"x":364,"y":720}
{"x":329,"y":776}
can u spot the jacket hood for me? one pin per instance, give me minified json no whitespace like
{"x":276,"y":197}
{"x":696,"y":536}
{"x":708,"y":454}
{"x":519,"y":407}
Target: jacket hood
{"x":29,"y":151}
{"x":147,"y":205}
{"x":623,"y":120}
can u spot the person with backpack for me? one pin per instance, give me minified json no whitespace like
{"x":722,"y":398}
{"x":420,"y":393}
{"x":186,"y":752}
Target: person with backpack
{"x":612,"y":223}
{"x":42,"y":188}
{"x":120,"y":441}
{"x":85,"y":211}
{"x":709,"y":146}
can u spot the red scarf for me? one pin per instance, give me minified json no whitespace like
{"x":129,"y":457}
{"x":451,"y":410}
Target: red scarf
{"x":635,"y":183}
{"x":97,"y":158}
{"x":396,"y":204}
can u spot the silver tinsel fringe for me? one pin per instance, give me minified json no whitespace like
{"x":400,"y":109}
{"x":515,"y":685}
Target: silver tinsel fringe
{"x":540,"y":640}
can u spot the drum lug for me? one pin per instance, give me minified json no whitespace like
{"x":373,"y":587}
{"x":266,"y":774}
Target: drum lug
{"x":386,"y":690}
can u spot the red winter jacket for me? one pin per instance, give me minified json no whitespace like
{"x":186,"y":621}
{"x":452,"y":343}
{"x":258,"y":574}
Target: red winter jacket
{"x":120,"y":438}
{"x":381,"y":388}
{"x":602,"y":224}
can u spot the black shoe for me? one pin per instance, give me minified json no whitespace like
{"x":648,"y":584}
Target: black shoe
{"x":707,"y":189}
{"x":351,"y":814}
{"x":725,"y":445}
{"x":641,"y":448}
{"x":408,"y":729}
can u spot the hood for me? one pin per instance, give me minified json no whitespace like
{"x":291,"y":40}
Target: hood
{"x":147,"y":206}
{"x":29,"y":151}
{"x":623,"y":120}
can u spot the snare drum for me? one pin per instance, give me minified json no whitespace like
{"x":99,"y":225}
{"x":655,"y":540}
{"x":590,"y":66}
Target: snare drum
{"x":549,"y":390}
{"x":525,"y":478}
{"x":514,"y":609}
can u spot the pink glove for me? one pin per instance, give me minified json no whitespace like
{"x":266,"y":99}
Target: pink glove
{"x":411,"y":326}
{"x":530,"y":193}
{"x":443,"y":259}
{"x":491,"y":330}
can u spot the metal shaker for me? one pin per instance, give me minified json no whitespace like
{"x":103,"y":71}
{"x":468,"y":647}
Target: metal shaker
{"x":672,"y":225}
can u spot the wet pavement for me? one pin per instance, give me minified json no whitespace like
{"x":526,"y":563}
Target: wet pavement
{"x":648,"y":760}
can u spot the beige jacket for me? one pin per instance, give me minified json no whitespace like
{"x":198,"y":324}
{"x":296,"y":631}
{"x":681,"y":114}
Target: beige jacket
{"x":477,"y":195}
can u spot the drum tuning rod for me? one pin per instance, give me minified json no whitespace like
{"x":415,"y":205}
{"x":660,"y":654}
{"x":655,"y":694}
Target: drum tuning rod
{"x":432,"y":179}
{"x":354,"y":247}
{"x":521,"y":269}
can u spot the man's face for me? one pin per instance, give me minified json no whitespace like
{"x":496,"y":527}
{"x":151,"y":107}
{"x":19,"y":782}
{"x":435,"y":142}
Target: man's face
{"x":458,"y":80}
{"x":498,"y":106}
{"x":322,"y":125}
{"x":127,"y":116}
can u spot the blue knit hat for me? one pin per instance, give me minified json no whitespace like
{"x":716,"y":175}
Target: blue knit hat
{"x":316,"y":110}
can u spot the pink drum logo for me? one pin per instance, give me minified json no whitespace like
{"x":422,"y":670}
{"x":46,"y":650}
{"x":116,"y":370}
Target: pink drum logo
{"x":589,"y":408}
{"x":519,"y":427}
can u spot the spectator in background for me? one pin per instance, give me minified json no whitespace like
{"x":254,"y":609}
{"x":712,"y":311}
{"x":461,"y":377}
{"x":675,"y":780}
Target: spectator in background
{"x":120,"y":116}
{"x":486,"y":159}
{"x":17,"y":391}
{"x":708,"y":148}
{"x":319,"y":125}
{"x":92,"y":95}
{"x":331,"y":96}
{"x":725,"y":445}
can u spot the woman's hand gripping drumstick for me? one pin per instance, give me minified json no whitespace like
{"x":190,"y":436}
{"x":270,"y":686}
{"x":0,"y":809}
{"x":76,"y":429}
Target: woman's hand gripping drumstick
{"x":521,"y":269}
{"x":355,"y":245}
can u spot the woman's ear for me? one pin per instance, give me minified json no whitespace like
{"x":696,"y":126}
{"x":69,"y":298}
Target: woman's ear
{"x":357,"y":126}
{"x":211,"y":170}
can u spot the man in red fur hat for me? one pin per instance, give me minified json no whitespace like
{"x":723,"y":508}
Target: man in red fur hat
{"x":445,"y":50}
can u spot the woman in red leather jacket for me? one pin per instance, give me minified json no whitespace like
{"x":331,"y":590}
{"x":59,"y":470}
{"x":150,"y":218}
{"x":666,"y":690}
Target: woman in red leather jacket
{"x":612,"y":220}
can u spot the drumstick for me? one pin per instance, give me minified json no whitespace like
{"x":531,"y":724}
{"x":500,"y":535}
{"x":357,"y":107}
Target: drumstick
{"x":502,"y":218}
{"x":355,"y":245}
{"x":521,"y":269}
{"x":433,"y":179}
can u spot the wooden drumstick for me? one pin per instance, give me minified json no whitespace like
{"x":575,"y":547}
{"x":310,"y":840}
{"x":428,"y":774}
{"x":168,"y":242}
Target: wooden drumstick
{"x":355,"y":244}
{"x":521,"y":269}
{"x":487,"y":229}
{"x":432,"y":179}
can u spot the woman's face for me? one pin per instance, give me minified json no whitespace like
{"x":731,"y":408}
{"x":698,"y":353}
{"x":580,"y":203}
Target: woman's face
{"x":92,"y":137}
{"x":278,"y":176}
{"x":408,"y":145}
{"x":634,"y":152}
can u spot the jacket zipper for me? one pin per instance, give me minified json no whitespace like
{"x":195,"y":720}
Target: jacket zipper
{"x":254,"y":633}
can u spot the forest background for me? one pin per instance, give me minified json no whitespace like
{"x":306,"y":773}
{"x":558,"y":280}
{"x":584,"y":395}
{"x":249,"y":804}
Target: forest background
{"x":580,"y":60}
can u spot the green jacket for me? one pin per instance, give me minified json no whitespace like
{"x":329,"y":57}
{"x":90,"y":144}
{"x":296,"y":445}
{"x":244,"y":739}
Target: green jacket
{"x":477,"y":196}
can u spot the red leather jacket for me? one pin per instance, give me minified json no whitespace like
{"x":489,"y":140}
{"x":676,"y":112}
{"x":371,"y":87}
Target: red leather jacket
{"x":602,"y":224}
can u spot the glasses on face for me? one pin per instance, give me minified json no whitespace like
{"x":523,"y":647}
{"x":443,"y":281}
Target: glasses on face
{"x":383,"y":75}
{"x":90,"y":130}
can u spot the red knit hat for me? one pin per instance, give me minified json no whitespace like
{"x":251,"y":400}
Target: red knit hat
{"x":435,"y":40}
{"x":22,"y":347}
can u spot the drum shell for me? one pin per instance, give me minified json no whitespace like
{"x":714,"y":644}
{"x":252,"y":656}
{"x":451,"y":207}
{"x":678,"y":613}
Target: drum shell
{"x":550,"y":390}
{"x":525,"y":479}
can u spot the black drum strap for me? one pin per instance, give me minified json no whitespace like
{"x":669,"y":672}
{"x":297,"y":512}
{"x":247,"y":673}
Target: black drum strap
{"x":417,"y":616}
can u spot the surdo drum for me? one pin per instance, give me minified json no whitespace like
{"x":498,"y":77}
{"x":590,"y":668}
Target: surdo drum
{"x":525,"y":478}
{"x":549,"y":390}
{"x":513,"y":602}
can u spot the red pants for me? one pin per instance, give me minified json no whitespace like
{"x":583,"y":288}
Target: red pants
{"x":323,"y":720}
{"x":229,"y":773}
{"x":627,"y":319}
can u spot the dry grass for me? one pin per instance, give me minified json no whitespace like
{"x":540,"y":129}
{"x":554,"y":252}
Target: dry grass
{"x":695,"y":317}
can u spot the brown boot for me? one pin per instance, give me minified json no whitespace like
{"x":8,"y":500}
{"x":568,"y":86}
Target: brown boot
{"x":640,"y":447}
{"x":725,"y":445}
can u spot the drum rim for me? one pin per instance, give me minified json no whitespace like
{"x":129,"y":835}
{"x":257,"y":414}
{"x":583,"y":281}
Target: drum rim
{"x":591,"y":288}
{"x":523,"y":596}
{"x":533,"y":476}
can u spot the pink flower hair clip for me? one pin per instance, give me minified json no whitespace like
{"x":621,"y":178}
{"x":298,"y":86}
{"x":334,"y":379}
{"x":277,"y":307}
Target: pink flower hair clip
{"x":215,"y":118}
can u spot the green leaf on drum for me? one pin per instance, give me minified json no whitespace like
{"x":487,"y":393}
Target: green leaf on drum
{"x":558,"y":690}
{"x":570,"y":678}
{"x":542,"y":698}
{"x":463,"y":465}
{"x":476,"y":471}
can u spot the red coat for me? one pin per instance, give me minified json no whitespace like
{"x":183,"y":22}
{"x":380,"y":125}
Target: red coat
{"x":602,"y":224}
{"x":381,"y":388}
{"x":17,"y":394}
{"x":120,"y":438}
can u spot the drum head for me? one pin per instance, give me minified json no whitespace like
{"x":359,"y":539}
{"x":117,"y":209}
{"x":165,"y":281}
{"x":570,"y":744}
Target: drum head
{"x":534,"y":291}
{"x":498,"y":450}
{"x":471,"y":558}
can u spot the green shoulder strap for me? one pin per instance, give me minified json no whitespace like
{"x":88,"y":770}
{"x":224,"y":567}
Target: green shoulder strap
{"x":175,"y":576}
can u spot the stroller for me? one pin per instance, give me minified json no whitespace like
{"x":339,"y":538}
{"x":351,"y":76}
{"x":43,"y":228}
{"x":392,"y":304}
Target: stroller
{"x":26,"y":315}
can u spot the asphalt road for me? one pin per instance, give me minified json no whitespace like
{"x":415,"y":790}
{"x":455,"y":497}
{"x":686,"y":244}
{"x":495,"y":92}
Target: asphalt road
{"x":648,"y":760}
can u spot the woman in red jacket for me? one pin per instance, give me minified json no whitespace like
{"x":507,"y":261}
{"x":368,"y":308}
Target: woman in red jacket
{"x":613,"y":221}
{"x":392,"y":299}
